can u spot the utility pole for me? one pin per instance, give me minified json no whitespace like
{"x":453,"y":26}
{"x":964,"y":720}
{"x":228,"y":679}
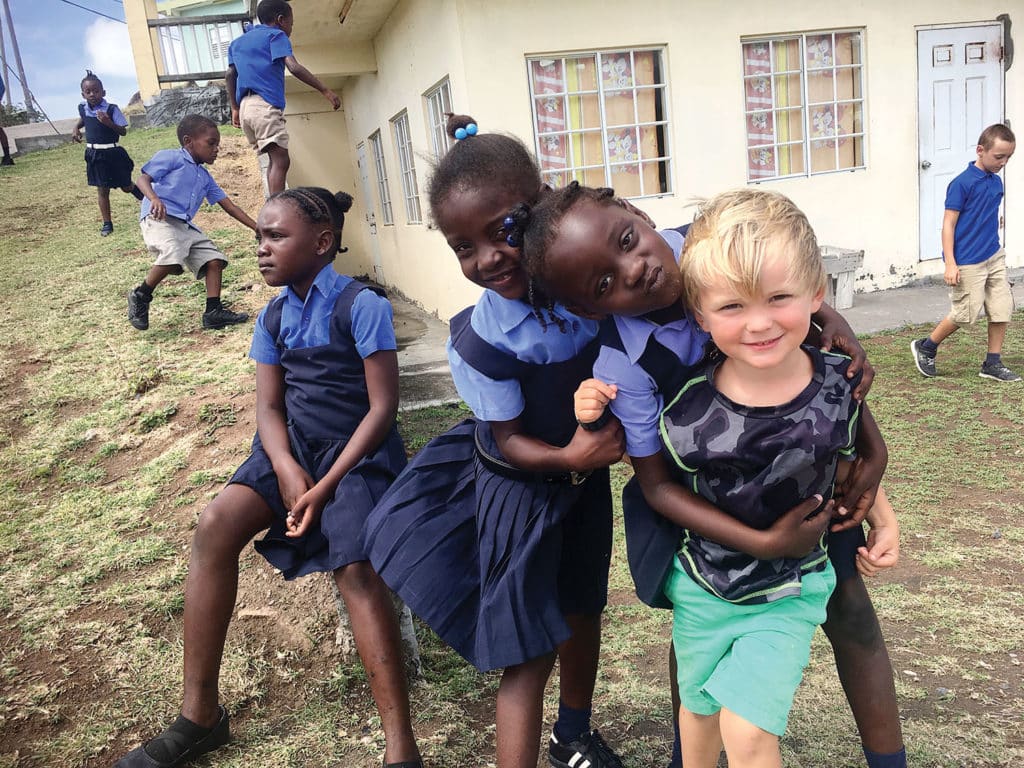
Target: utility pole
{"x":29,"y":101}
{"x":3,"y":68}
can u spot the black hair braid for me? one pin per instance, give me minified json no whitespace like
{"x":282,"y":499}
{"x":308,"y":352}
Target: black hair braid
{"x":90,"y":77}
{"x":320,"y":206}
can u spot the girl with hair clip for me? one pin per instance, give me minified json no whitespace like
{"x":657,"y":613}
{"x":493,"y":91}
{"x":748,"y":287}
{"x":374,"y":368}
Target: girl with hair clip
{"x":498,"y":534}
{"x":325,"y":450}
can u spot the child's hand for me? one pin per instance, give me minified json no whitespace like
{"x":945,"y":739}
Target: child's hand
{"x":332,"y":97}
{"x":306,"y":511}
{"x":591,"y":398}
{"x":293,"y":482}
{"x":594,"y":450}
{"x":159,"y":210}
{"x":882,"y":551}
{"x":794,"y":534}
{"x":104,"y":119}
{"x":76,"y":135}
{"x":856,"y":494}
{"x":833,"y":337}
{"x":952,"y":274}
{"x":235,"y":121}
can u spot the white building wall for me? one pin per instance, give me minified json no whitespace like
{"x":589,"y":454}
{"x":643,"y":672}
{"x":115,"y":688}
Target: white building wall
{"x":482,"y":47}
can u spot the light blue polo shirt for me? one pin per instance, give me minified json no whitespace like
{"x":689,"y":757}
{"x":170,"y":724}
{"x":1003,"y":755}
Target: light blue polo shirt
{"x":306,"y":324}
{"x":258,"y":56}
{"x":512,"y":327}
{"x":116,"y":115}
{"x":181,"y":183}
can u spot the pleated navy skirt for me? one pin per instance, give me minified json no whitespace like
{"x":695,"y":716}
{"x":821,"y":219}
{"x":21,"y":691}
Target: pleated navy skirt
{"x":108,"y":167}
{"x":337,"y":540}
{"x":481,"y":557}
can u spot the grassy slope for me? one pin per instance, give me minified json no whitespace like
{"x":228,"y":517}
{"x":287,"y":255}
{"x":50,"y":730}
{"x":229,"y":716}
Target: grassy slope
{"x":112,"y":441}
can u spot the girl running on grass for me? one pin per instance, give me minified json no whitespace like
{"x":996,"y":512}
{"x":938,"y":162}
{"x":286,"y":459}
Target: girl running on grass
{"x":325,"y":450}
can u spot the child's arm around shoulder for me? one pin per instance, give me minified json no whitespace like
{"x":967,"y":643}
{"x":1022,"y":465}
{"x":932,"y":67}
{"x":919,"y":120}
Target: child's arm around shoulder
{"x":304,"y":75}
{"x":234,"y":212}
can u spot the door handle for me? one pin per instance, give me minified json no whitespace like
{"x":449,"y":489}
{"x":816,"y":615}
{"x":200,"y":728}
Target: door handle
{"x":926,"y":164}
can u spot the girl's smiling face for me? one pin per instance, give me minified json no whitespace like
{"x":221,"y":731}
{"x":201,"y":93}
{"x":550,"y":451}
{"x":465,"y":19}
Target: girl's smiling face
{"x":606,"y":260}
{"x":291,"y":250}
{"x":472,"y":221}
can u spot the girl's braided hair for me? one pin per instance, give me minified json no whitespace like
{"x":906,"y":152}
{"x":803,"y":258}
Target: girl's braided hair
{"x":90,"y":77}
{"x":534,"y":229}
{"x":320,"y":206}
{"x":482,"y":160}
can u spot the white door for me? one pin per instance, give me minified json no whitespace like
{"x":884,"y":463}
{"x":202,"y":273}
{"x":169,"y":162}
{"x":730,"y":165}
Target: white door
{"x":960,"y":92}
{"x":371,"y":217}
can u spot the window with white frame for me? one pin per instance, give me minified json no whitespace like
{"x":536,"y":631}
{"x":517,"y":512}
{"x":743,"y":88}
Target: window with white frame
{"x":601,"y":118}
{"x":400,"y":129}
{"x":439,"y":101}
{"x":804,"y":103}
{"x":382,"y":179}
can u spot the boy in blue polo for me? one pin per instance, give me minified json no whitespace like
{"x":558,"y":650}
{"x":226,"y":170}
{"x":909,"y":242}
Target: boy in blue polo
{"x":255,"y":86}
{"x":975,"y":262}
{"x":175,"y":184}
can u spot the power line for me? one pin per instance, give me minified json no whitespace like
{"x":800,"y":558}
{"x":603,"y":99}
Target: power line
{"x":98,"y":13}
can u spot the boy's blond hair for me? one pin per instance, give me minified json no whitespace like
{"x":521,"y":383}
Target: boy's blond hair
{"x":736,"y":233}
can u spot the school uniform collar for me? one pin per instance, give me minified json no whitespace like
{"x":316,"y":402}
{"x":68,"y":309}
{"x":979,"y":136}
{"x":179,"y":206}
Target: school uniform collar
{"x":509,"y":314}
{"x":326,"y":282}
{"x":101,"y":107}
{"x":188,"y":156}
{"x":978,"y":172}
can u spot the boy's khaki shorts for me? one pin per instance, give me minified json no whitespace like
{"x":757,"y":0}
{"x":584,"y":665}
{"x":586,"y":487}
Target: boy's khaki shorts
{"x":262,"y":123}
{"x":174,"y":243}
{"x":982,"y":285}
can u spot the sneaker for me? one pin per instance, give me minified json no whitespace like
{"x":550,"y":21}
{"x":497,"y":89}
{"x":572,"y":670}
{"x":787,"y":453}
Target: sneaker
{"x":138,"y":309}
{"x":222,"y":317}
{"x":178,"y":745}
{"x":925,"y":363}
{"x":588,"y":750}
{"x":106,"y":229}
{"x":999,"y":372}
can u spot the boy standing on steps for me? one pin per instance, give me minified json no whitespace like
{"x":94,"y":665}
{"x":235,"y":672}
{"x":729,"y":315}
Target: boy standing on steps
{"x":255,"y":86}
{"x":175,"y":184}
{"x":975,"y":262}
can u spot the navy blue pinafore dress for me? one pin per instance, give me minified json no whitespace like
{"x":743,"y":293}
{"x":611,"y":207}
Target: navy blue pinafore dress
{"x":325,"y":400}
{"x":479,"y":549}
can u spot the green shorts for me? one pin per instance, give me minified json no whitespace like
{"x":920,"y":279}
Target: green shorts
{"x":745,"y":658}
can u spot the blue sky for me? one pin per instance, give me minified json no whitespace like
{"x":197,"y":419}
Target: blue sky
{"x":59,"y":42}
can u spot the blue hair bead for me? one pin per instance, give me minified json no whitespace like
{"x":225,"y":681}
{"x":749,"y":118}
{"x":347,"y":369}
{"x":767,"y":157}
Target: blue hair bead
{"x":471,"y":129}
{"x":508,"y":222}
{"x":461,"y":133}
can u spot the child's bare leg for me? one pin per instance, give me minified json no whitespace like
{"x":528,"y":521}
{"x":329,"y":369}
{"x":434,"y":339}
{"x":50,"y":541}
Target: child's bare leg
{"x":943,"y":330}
{"x":156,"y":274}
{"x":996,"y":336}
{"x":277,"y":171}
{"x":225,"y":527}
{"x":375,"y":627}
{"x":701,"y":737}
{"x":212,"y":272}
{"x":862,"y":661}
{"x":577,"y":661}
{"x":520,"y":708}
{"x":746,"y":745}
{"x":103,"y":198}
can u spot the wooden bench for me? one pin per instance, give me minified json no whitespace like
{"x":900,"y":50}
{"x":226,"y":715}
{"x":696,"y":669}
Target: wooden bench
{"x":842,"y":265}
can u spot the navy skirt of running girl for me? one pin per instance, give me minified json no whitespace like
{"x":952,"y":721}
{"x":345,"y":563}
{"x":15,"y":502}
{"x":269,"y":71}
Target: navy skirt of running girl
{"x":481,"y":556}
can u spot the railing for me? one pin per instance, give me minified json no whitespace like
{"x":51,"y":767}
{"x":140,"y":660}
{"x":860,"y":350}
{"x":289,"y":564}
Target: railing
{"x":196,"y":47}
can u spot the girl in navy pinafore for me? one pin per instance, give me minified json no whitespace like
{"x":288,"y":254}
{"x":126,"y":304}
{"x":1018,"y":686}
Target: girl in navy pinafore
{"x":325,"y":451}
{"x":498,"y":533}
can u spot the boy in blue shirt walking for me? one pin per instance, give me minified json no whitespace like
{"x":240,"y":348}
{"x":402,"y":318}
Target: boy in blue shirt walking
{"x":255,"y":86}
{"x":975,"y":262}
{"x":175,"y":184}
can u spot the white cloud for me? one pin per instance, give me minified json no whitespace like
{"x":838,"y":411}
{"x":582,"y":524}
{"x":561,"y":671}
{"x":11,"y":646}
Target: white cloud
{"x":108,"y":50}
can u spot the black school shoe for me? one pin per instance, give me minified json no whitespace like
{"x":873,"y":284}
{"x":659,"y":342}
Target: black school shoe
{"x":107,"y":229}
{"x":177,"y":745}
{"x":138,"y":309}
{"x":222,"y":317}
{"x":588,"y":750}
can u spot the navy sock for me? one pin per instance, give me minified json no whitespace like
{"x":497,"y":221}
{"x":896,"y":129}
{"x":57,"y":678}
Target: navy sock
{"x":145,"y":290}
{"x":993,"y":358}
{"x":212,"y":303}
{"x":571,"y":722}
{"x":891,"y":760}
{"x":929,"y":347}
{"x":676,"y":761}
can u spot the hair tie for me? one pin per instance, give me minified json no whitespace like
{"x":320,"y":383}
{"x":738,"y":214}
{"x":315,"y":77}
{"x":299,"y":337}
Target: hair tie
{"x":469,"y":130}
{"x":513,"y":237}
